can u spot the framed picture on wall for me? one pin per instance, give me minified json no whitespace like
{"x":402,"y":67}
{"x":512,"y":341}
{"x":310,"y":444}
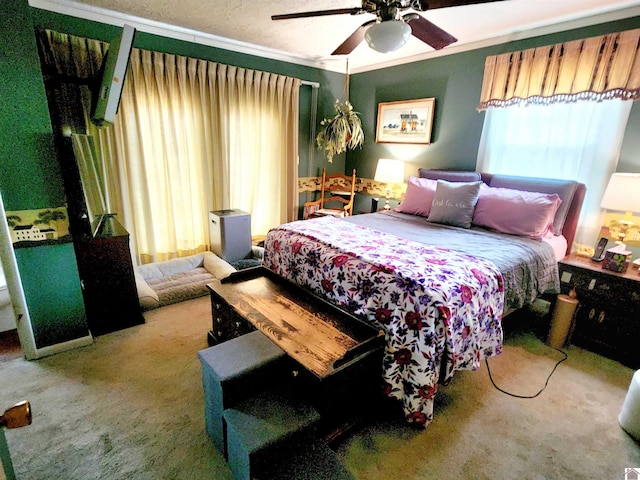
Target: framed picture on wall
{"x":408,"y":121}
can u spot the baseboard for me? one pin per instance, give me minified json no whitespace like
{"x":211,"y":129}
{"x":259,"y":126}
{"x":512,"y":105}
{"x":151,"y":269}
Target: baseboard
{"x":62,"y":347}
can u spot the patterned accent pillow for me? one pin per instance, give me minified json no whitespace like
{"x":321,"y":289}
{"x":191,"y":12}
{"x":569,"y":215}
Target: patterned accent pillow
{"x":454,"y":203}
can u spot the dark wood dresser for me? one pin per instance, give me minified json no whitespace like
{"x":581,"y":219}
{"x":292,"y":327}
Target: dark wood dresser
{"x":108,"y":282}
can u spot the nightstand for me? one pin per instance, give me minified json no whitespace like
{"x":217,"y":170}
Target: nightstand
{"x":608,"y":317}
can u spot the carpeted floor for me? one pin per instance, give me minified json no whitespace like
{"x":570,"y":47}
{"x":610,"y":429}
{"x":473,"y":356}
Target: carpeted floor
{"x":130,"y":406}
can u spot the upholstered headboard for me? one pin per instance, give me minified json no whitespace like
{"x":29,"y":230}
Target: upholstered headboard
{"x":570,"y":192}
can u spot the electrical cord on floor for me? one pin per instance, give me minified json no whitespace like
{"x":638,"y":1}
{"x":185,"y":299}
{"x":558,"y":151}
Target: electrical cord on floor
{"x":486,"y":360}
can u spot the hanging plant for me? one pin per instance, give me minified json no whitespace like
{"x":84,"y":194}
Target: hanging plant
{"x":340,"y":132}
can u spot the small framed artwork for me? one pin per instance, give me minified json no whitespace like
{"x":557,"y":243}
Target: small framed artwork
{"x":408,"y":121}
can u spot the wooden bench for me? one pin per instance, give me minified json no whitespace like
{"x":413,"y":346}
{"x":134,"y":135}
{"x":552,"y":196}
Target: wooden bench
{"x":319,"y":336}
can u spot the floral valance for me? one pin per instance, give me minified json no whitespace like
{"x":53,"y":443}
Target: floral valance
{"x":596,"y":68}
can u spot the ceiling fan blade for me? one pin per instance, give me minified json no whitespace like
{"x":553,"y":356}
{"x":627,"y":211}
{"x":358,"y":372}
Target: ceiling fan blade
{"x":318,"y":13}
{"x":430,"y":33}
{"x":353,"y":41}
{"x":433,"y":4}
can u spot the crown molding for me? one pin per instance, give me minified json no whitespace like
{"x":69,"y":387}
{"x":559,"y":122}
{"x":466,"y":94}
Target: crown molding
{"x":334,"y":64}
{"x":110,"y":17}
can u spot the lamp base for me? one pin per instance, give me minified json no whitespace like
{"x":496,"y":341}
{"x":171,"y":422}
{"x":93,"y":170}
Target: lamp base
{"x":387,"y":207}
{"x":624,"y":226}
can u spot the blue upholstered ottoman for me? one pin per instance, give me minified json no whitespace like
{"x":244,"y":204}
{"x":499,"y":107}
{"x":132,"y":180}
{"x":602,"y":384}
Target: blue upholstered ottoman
{"x":233,"y":371}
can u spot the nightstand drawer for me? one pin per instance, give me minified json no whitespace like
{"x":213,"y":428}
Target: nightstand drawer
{"x":598,"y":284}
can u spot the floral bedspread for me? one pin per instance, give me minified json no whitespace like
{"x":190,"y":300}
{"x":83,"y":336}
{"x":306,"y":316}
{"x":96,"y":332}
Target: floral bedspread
{"x":440,"y":309}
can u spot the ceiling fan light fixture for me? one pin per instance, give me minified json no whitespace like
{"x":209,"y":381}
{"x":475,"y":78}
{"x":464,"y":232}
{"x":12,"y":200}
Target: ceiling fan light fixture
{"x":388,"y":36}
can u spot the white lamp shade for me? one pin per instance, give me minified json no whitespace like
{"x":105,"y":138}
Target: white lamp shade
{"x":623,"y":193}
{"x":389,"y":171}
{"x":388,"y":36}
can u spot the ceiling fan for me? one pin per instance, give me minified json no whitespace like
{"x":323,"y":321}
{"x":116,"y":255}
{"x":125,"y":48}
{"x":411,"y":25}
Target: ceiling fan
{"x":391,"y":29}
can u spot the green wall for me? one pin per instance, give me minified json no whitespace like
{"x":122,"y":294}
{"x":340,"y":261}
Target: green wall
{"x":630,"y":153}
{"x":29,"y":172}
{"x":51,"y":285}
{"x":455,"y":82}
{"x":30,"y":179}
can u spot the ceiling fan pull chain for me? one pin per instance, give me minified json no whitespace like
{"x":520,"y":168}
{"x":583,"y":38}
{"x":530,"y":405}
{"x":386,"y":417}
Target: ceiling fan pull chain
{"x":346,"y":81}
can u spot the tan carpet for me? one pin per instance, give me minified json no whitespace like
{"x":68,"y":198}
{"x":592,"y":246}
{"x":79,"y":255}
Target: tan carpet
{"x":130,"y":406}
{"x":570,"y":431}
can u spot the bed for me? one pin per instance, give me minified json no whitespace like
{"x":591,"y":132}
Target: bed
{"x":438,"y":273}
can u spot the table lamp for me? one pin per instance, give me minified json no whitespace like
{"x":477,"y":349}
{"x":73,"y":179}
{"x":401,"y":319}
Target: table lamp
{"x":389,"y":171}
{"x":623,"y":195}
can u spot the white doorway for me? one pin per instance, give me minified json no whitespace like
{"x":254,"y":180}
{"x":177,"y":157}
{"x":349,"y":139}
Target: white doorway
{"x":17,"y":302}
{"x":7,"y":317}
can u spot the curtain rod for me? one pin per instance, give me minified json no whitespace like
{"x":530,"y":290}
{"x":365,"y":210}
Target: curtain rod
{"x":311,"y":84}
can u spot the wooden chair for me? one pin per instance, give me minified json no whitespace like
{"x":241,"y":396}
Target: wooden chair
{"x":335,"y":189}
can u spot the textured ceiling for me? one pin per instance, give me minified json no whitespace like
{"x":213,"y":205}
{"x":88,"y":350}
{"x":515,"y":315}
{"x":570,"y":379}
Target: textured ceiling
{"x":313,"y":39}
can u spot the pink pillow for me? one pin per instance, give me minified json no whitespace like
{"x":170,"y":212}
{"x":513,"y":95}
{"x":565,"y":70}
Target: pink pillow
{"x":418,"y":197}
{"x":516,"y":212}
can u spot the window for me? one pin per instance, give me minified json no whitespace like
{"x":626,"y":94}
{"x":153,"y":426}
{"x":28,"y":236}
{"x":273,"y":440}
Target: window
{"x":573,"y":141}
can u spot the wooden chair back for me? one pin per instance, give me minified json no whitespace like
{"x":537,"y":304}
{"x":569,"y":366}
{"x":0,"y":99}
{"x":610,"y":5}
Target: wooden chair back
{"x":334,"y":188}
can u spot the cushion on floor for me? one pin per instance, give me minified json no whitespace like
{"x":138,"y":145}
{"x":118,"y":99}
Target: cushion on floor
{"x":178,"y":279}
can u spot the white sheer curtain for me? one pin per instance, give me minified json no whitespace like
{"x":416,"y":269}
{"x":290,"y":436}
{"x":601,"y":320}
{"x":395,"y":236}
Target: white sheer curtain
{"x":193,"y":136}
{"x":578,"y":141}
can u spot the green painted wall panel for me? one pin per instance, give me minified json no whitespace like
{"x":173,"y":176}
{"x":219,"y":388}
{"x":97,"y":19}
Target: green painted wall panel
{"x":51,"y":284}
{"x":29,"y":173}
{"x":630,"y":152}
{"x":30,"y":178}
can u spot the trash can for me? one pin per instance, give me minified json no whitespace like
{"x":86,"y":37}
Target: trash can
{"x":629,"y":418}
{"x":561,"y":320}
